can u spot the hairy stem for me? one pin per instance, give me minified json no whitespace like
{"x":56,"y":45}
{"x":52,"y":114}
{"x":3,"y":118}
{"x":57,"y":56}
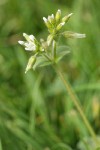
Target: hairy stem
{"x":75,"y":100}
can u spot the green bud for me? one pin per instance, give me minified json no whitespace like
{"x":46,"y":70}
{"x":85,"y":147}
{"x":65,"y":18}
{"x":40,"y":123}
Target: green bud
{"x":49,"y":39}
{"x":47,"y":23}
{"x":51,"y":19}
{"x":69,"y":34}
{"x":58,"y":15}
{"x":66,"y":18}
{"x":60,"y":26}
{"x":31,"y":62}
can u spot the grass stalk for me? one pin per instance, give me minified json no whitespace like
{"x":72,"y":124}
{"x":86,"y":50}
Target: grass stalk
{"x":75,"y":100}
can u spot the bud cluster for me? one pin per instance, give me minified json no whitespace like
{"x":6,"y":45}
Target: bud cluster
{"x":55,"y":24}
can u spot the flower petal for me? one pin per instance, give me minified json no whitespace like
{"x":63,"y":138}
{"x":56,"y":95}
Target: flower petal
{"x":44,"y":19}
{"x":28,"y":49}
{"x":32,"y":37}
{"x":21,"y":42}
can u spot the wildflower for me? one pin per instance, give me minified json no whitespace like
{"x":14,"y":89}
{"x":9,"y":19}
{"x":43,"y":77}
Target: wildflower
{"x":31,"y":44}
{"x":48,"y":52}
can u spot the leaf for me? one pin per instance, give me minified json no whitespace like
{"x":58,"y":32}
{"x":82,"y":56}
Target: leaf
{"x":61,"y":52}
{"x":41,"y":62}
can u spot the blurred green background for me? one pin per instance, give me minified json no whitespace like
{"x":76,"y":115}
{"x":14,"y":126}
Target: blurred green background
{"x":35,"y":111}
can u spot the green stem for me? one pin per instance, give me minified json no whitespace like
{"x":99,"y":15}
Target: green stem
{"x":75,"y":100}
{"x":54,"y":49}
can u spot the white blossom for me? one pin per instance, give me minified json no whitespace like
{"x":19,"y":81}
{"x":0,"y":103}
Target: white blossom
{"x":30,"y":44}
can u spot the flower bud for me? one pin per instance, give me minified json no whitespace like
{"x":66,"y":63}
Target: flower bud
{"x":66,"y":18}
{"x":69,"y":34}
{"x":31,"y":62}
{"x":60,"y":26}
{"x":49,"y":39}
{"x":26,"y":36}
{"x":47,"y":23}
{"x":51,"y":19}
{"x":58,"y":15}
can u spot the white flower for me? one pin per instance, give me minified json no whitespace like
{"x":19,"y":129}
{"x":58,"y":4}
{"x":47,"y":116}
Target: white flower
{"x":30,"y":44}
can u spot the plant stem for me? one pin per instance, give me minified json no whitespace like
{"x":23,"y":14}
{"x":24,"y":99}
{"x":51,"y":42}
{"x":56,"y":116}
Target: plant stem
{"x":75,"y":100}
{"x":54,"y":49}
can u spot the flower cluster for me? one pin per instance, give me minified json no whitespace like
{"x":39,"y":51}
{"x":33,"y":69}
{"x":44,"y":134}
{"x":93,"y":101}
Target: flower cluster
{"x":42,"y":55}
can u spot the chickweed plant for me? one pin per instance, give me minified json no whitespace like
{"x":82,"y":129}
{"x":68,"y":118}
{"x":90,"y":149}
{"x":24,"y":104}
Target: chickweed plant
{"x":47,"y":52}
